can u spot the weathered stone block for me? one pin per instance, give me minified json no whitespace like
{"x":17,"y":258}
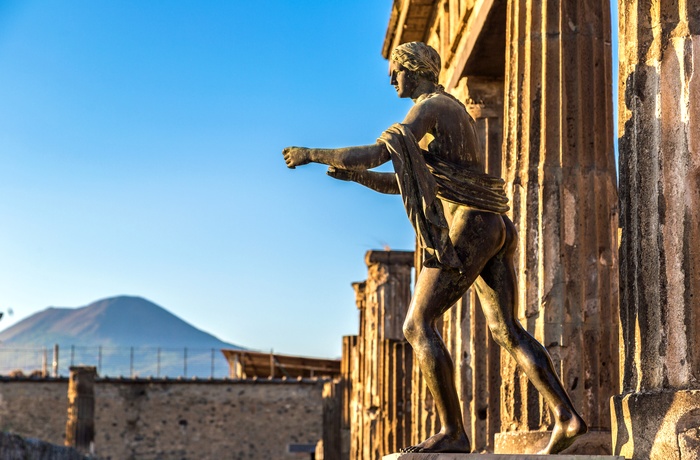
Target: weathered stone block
{"x":530,"y":442}
{"x":657,"y":425}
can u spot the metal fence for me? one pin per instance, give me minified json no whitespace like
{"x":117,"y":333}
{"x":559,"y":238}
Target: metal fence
{"x":115,"y":361}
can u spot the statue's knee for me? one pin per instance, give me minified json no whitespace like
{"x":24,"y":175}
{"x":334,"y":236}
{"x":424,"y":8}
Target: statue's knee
{"x":503,"y":335}
{"x":413,"y":330}
{"x":409,"y":330}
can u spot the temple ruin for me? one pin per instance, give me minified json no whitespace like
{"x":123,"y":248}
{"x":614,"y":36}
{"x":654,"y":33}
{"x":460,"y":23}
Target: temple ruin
{"x":536,"y":76}
{"x":607,"y":273}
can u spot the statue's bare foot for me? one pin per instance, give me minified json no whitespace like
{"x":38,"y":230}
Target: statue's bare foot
{"x":564,"y":434}
{"x":444,"y":443}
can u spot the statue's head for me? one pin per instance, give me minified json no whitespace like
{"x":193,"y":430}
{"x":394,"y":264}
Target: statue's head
{"x":416,"y":61}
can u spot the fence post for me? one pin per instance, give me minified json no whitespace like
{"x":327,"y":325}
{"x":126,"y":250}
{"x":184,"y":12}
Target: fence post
{"x":99,"y":359}
{"x":54,"y":364}
{"x":131,"y":362}
{"x":72,"y":355}
{"x":185,"y":362}
{"x":45,"y":363}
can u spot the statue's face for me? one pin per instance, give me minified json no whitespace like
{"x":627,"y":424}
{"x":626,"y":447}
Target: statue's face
{"x":403,"y":80}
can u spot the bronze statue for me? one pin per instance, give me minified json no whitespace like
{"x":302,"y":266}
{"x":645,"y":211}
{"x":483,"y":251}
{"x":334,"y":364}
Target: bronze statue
{"x":457,"y":211}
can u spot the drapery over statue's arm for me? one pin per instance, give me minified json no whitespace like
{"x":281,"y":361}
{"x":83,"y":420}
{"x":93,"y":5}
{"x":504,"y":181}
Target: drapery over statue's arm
{"x":377,"y":181}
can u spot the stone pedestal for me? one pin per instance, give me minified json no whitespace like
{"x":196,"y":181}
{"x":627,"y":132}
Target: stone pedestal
{"x":657,"y":416}
{"x":662,"y":424}
{"x":531,"y":442}
{"x":560,"y":174}
{"x":496,"y":457}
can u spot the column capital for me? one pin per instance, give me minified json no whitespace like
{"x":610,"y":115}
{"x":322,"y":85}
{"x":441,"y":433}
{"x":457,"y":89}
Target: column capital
{"x":389,"y":258}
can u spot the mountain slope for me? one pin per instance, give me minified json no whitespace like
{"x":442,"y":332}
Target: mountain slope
{"x":122,"y":321}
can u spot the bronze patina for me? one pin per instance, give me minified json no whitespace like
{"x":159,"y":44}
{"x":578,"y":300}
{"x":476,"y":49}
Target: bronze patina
{"x":458,"y":212}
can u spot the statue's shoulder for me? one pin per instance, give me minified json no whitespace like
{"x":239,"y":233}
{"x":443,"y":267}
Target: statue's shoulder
{"x":431,"y":102}
{"x":440,"y":99}
{"x":435,"y":106}
{"x":430,"y":98}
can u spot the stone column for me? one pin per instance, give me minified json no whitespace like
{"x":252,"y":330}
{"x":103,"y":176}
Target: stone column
{"x":479,"y":364}
{"x":476,"y":357}
{"x":483,"y":99}
{"x":80,"y":427}
{"x":378,"y":420}
{"x":387,"y":294}
{"x":657,"y":416}
{"x":560,"y":171}
{"x":330,"y":446}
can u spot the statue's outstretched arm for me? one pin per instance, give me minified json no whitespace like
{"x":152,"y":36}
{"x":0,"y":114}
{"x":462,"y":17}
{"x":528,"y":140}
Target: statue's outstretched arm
{"x":377,"y":181}
{"x":351,"y":158}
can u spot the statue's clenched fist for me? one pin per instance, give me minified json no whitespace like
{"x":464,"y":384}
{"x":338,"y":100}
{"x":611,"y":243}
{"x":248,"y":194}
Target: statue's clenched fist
{"x":296,"y":156}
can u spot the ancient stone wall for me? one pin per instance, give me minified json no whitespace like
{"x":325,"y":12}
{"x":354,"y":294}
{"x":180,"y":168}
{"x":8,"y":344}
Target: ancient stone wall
{"x":35,"y":408}
{"x":170,"y":419}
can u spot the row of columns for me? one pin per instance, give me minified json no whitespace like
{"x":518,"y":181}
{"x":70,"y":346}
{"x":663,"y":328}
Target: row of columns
{"x":617,"y":322}
{"x":559,"y":166}
{"x":560,"y":169}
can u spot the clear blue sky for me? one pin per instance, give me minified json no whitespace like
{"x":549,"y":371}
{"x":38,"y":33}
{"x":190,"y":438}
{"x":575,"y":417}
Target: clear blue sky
{"x":140,"y":154}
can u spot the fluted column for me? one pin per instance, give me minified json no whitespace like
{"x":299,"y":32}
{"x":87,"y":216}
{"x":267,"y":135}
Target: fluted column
{"x":387,"y":293}
{"x":477,"y":357}
{"x":560,"y":171}
{"x":657,"y":416}
{"x":463,"y":327}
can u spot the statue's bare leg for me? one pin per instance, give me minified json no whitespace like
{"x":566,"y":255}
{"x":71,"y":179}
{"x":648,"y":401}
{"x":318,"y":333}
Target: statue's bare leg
{"x":477,"y":236}
{"x":497,"y":291}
